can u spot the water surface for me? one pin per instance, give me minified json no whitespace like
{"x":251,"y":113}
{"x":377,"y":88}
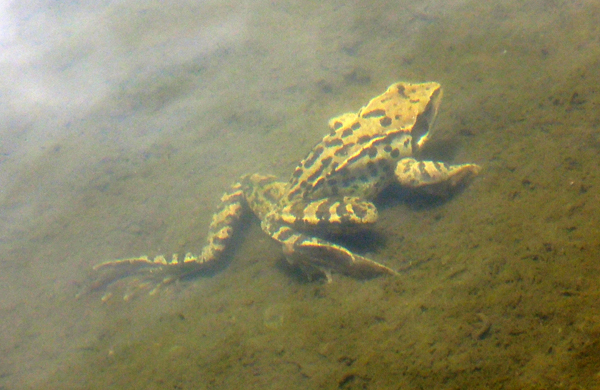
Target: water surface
{"x":123,"y":122}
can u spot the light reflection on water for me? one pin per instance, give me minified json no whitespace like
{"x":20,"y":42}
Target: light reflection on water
{"x":89,"y":94}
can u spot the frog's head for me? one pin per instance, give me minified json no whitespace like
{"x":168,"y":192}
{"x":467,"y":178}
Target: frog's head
{"x":405,"y":108}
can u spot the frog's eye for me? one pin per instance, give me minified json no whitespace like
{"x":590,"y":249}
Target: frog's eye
{"x":420,"y":130}
{"x":424,"y":122}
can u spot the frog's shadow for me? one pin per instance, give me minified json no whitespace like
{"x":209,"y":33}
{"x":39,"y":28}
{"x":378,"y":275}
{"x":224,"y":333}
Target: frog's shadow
{"x":426,"y":198}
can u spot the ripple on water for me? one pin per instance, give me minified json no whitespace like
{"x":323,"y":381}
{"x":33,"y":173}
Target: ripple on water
{"x":274,"y":316}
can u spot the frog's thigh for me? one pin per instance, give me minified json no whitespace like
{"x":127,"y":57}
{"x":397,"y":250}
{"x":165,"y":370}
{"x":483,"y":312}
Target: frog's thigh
{"x":332,"y":211}
{"x":413,"y":173}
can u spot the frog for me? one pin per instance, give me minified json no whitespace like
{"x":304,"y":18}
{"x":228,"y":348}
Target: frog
{"x":331,"y":190}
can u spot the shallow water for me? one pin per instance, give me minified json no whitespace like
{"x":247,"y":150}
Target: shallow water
{"x":122,"y":123}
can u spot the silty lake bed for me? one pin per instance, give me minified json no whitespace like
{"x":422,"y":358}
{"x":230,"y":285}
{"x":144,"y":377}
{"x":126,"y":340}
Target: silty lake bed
{"x":123,"y":123}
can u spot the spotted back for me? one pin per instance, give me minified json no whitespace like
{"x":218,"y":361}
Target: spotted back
{"x":359,"y":155}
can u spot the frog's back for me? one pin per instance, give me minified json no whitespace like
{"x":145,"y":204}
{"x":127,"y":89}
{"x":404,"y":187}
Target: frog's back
{"x":358,"y":156}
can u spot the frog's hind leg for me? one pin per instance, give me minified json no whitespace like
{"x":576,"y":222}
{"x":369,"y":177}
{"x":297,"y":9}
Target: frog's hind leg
{"x":335,"y":214}
{"x":166,"y":270}
{"x":315,"y":255}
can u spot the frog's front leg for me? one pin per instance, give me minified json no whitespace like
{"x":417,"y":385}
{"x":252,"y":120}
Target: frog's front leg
{"x":413,"y":173}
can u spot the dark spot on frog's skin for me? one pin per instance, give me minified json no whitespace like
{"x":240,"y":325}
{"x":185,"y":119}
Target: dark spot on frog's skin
{"x":437,"y":165}
{"x":303,"y":184}
{"x":358,"y":156}
{"x":298,"y":172}
{"x":334,"y":142}
{"x":318,"y":183}
{"x":421,"y":167}
{"x":340,"y":210}
{"x":372,"y":152}
{"x":355,"y":126}
{"x":322,"y":212}
{"x":364,"y":178}
{"x":316,"y":174}
{"x":343,"y":171}
{"x":326,"y":161}
{"x":395,"y":153}
{"x":347,"y":133}
{"x":337,"y":125}
{"x":343,"y":150}
{"x":401,"y":91}
{"x":387,"y":148}
{"x":360,"y":212}
{"x":334,"y":165}
{"x":293,"y":193}
{"x":315,"y":155}
{"x":334,"y":189}
{"x":284,"y":234}
{"x":374,"y":113}
{"x":414,"y":101}
{"x":397,"y":117}
{"x":385,"y":166}
{"x":407,"y":143}
{"x":372,"y":168}
{"x":363,"y":139}
{"x":385,"y":121}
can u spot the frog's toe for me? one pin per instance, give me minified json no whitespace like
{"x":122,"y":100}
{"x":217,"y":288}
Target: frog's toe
{"x":136,"y":273}
{"x":114,"y":283}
